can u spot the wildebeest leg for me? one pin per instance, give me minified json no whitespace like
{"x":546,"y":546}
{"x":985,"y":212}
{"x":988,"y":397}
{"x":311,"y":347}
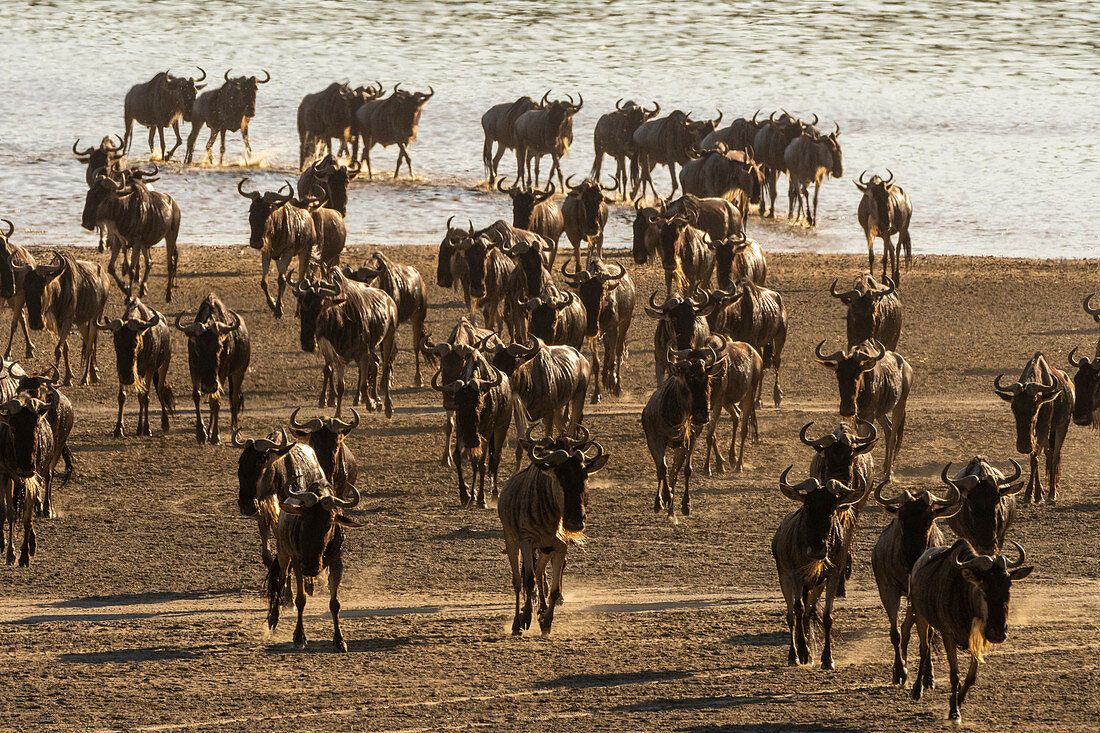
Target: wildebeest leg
{"x":448,"y":426}
{"x":119,"y":432}
{"x":657,"y":449}
{"x":546,"y":619}
{"x":496,"y":162}
{"x":152,"y":138}
{"x":417,"y":331}
{"x":888,"y":254}
{"x":247,"y":144}
{"x":952,"y":654}
{"x":9,"y":511}
{"x":265,"y":266}
{"x":792,"y":195}
{"x":200,"y":428}
{"x":19,"y":317}
{"x":29,"y":539}
{"x":117,"y":245}
{"x":179,"y":139}
{"x":389,"y":342}
{"x":192,"y":138}
{"x":147,"y":258}
{"x":511,"y":547}
{"x":171,"y":257}
{"x":595,"y":362}
{"x":1034,"y":485}
{"x":924,"y":666}
{"x":541,"y":562}
{"x":336,"y":370}
{"x":62,"y":350}
{"x":221,"y":152}
{"x":834,"y":581}
{"x":801,"y":618}
{"x":367,"y":145}
{"x":479,"y":474}
{"x":500,"y":438}
{"x":300,"y":604}
{"x":971,"y":676}
{"x":1054,"y":460}
{"x":335,"y":574}
{"x":888,"y":437}
{"x":527,"y":552}
{"x":675,"y":181}
{"x":463,"y":492}
{"x":817,"y":189}
{"x":711,"y":442}
{"x":143,"y":411}
{"x":789,"y":586}
{"x":209,"y":146}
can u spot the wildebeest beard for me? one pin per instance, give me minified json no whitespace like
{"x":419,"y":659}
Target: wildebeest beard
{"x":469,"y":403}
{"x":208,"y":348}
{"x":315,"y":527}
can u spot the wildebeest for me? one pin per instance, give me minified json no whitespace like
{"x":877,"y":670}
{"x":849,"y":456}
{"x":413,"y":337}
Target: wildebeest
{"x":351,"y":322}
{"x":1042,"y":402}
{"x":550,"y":383}
{"x":107,"y":159}
{"x":727,"y":174}
{"x":681,"y":323}
{"x":614,"y":136}
{"x":529,"y":279}
{"x":158,"y":103}
{"x":543,"y":512}
{"x":738,"y":258}
{"x":874,"y":385}
{"x":769,"y":145}
{"x":536,"y":211}
{"x":136,"y":219}
{"x":143,"y":355}
{"x":391,"y":120}
{"x":884,"y":210}
{"x":329,"y":230}
{"x":13,"y":258}
{"x":557,"y":318}
{"x":544,"y":130}
{"x":219,"y":351}
{"x":483,"y":414}
{"x":738,"y":135}
{"x":1086,"y":388}
{"x":310,"y":537}
{"x":874,"y":311}
{"x":451,"y":356}
{"x":737,"y":395}
{"x":281,"y":230}
{"x":405,"y":286}
{"x":1094,"y":312}
{"x":327,"y":437}
{"x":328,"y":114}
{"x":809,"y":157}
{"x":228,"y":108}
{"x":988,"y":503}
{"x":62,"y":295}
{"x":584,"y":212}
{"x":675,"y":415}
{"x":809,"y":548}
{"x":685,"y":257}
{"x":60,"y":418}
{"x":499,"y":126}
{"x":669,"y":141}
{"x":26,"y":452}
{"x":331,"y":179}
{"x":608,"y":298}
{"x":756,"y":316}
{"x":717,"y":217}
{"x":912,"y":531}
{"x":964,"y":596}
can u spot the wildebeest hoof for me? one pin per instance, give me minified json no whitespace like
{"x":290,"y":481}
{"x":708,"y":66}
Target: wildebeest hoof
{"x":24,"y":561}
{"x":118,"y":431}
{"x":300,"y":644}
{"x":339,"y":644}
{"x":215,"y":439}
{"x":827,"y":663}
{"x":145,"y":431}
{"x":1052,"y":497}
{"x":200,"y":436}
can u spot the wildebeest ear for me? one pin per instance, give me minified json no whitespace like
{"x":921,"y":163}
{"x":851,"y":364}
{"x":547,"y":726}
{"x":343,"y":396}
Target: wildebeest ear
{"x":348,"y":521}
{"x":1021,"y":573}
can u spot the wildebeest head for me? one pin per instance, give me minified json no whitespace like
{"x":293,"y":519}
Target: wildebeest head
{"x":528,"y":256}
{"x":524,"y":201}
{"x":334,"y":179}
{"x":561,"y":112}
{"x":21,"y":416}
{"x":1027,"y":399}
{"x":475,"y":249}
{"x":7,"y":271}
{"x":820,"y":504}
{"x":644,"y":220}
{"x":916,"y":513}
{"x":182,"y":90}
{"x":127,"y":334}
{"x":318,"y":511}
{"x":850,"y":369}
{"x":832,"y":144}
{"x":862,"y":300}
{"x":680,"y":313}
{"x":325,"y":436}
{"x":108,"y":156}
{"x":467,"y":394}
{"x":567,"y":459}
{"x":982,"y":487}
{"x":1094,"y":312}
{"x":39,"y":289}
{"x":724,"y":253}
{"x":208,"y":337}
{"x":507,"y":358}
{"x":990,"y":579}
{"x":589,"y":195}
{"x":261,"y":209}
{"x":1086,"y":386}
{"x":39,"y":386}
{"x":592,"y":285}
{"x":840,"y":448}
{"x":102,"y":192}
{"x":406,"y":108}
{"x":257,"y":455}
{"x":543,"y":312}
{"x":314,"y":296}
{"x":633,"y":114}
{"x":878,"y":191}
{"x":670,"y":239}
{"x":454,"y":240}
{"x":695,"y":367}
{"x":245,"y":88}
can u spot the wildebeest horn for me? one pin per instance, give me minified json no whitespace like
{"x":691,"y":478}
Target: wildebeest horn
{"x":890,"y":287}
{"x":954,"y":498}
{"x":814,"y":123}
{"x":255,"y":195}
{"x":308,"y":426}
{"x":1014,"y":476}
{"x":569,"y":181}
{"x":870,"y":361}
{"x":830,"y":360}
{"x":896,"y":501}
{"x":449,"y":227}
{"x":821,"y":443}
{"x":572,"y":276}
{"x":497,"y":379}
{"x":237,"y":441}
{"x":396,"y":86}
{"x":771,"y":117}
{"x":653,"y":301}
{"x":863,"y":445}
{"x":346,"y":427}
{"x":226,"y":75}
{"x":1078,"y":362}
{"x":1010,"y":391}
{"x":224,"y":328}
{"x":511,"y":190}
{"x":619,"y":276}
{"x":89,"y":151}
{"x":137,"y":325}
{"x":837,"y":128}
{"x":619,"y":104}
{"x":964,"y":484}
{"x":1019,"y":560}
{"x":203,"y":78}
{"x":112,"y":325}
{"x":718,"y":120}
{"x":579,"y":103}
{"x":889,"y":180}
{"x":1094,"y":312}
{"x":333,"y":502}
{"x":435,"y":381}
{"x":797,"y":493}
{"x":546,"y":96}
{"x":861,"y":181}
{"x":11,"y":228}
{"x":290,"y":190}
{"x":754,"y":114}
{"x":844,"y":295}
{"x":267,"y":77}
{"x":429,"y":95}
{"x":656,"y":109}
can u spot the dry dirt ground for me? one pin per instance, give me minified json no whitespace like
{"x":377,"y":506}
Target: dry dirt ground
{"x":142,"y":609}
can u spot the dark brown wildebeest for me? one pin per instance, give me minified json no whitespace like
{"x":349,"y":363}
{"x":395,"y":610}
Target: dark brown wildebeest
{"x":536,"y":211}
{"x":136,"y":219}
{"x":737,"y":395}
{"x":60,"y":418}
{"x":728,"y":174}
{"x":543,"y":510}
{"x":584,"y":212}
{"x":989,"y":503}
{"x":739,"y":135}
{"x":451,"y":357}
{"x":668,"y":141}
{"x":326,"y":436}
{"x":143,"y":355}
{"x":545,"y":130}
{"x":405,"y":286}
{"x":737,"y":258}
{"x":328,"y":227}
{"x":874,"y":385}
{"x":557,"y":318}
{"x":685,"y":257}
{"x":1086,"y":388}
{"x":391,"y":120}
{"x":677,"y":413}
{"x":350,"y":322}
{"x":158,"y":103}
{"x":809,"y":157}
{"x":884,"y":210}
{"x":226,"y":109}
{"x":13,"y":257}
{"x":62,"y":295}
{"x":529,"y":279}
{"x":681,"y":324}
{"x":452,"y":268}
{"x":218,"y":354}
{"x":324,"y":115}
{"x":756,"y":316}
{"x":910,"y":533}
{"x":550,"y":383}
{"x":608,"y":298}
{"x":107,"y":159}
{"x":26,"y":452}
{"x":614,"y":136}
{"x":874,"y":311}
{"x":489,"y":269}
{"x":717,"y":217}
{"x":310,"y":537}
{"x":768,"y":146}
{"x":332,"y":179}
{"x":1042,"y":402}
{"x":483,"y":414}
{"x":499,"y":126}
{"x":809,"y":548}
{"x":281,"y":230}
{"x":964,"y":596}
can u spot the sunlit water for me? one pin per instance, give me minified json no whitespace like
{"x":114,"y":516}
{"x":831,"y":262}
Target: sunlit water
{"x":985,"y":111}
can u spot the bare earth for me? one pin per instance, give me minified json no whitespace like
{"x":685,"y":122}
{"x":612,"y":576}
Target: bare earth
{"x":142,"y":608}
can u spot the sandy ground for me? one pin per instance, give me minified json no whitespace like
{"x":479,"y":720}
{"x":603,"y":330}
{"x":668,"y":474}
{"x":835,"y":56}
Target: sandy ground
{"x":142,"y":607}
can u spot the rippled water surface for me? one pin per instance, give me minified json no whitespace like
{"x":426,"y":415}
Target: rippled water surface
{"x":985,"y":111}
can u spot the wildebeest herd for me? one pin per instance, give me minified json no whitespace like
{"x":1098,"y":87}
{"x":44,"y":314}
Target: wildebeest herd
{"x":523,"y":369}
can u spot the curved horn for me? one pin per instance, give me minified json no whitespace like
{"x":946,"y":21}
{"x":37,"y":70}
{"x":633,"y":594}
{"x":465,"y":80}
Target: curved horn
{"x":348,"y":503}
{"x":346,"y":427}
{"x":226,"y":75}
{"x":497,"y":379}
{"x":814,"y":123}
{"x":308,"y":426}
{"x":844,"y":295}
{"x":621,"y":274}
{"x":1022,"y":555}
{"x":542,"y":102}
{"x":237,"y":441}
{"x":203,"y":78}
{"x":112,"y":325}
{"x":1078,"y":362}
{"x":653,"y":301}
{"x":619,"y":105}
{"x":830,"y":360}
{"x":569,"y":181}
{"x":896,"y":501}
{"x":955,"y":497}
{"x":1094,"y":312}
{"x":89,"y":151}
{"x":889,"y":180}
{"x":964,"y":484}
{"x":267,"y":77}
{"x":11,"y":228}
{"x":571,"y":276}
{"x":254,"y":195}
{"x":821,"y":443}
{"x":656,"y":109}
{"x":837,"y":132}
{"x":1010,"y":391}
{"x":1014,"y":476}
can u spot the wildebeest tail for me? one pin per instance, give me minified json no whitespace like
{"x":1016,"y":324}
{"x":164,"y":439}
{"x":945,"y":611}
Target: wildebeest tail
{"x":274,"y":589}
{"x":164,"y":391}
{"x":67,"y":456}
{"x":908,"y":244}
